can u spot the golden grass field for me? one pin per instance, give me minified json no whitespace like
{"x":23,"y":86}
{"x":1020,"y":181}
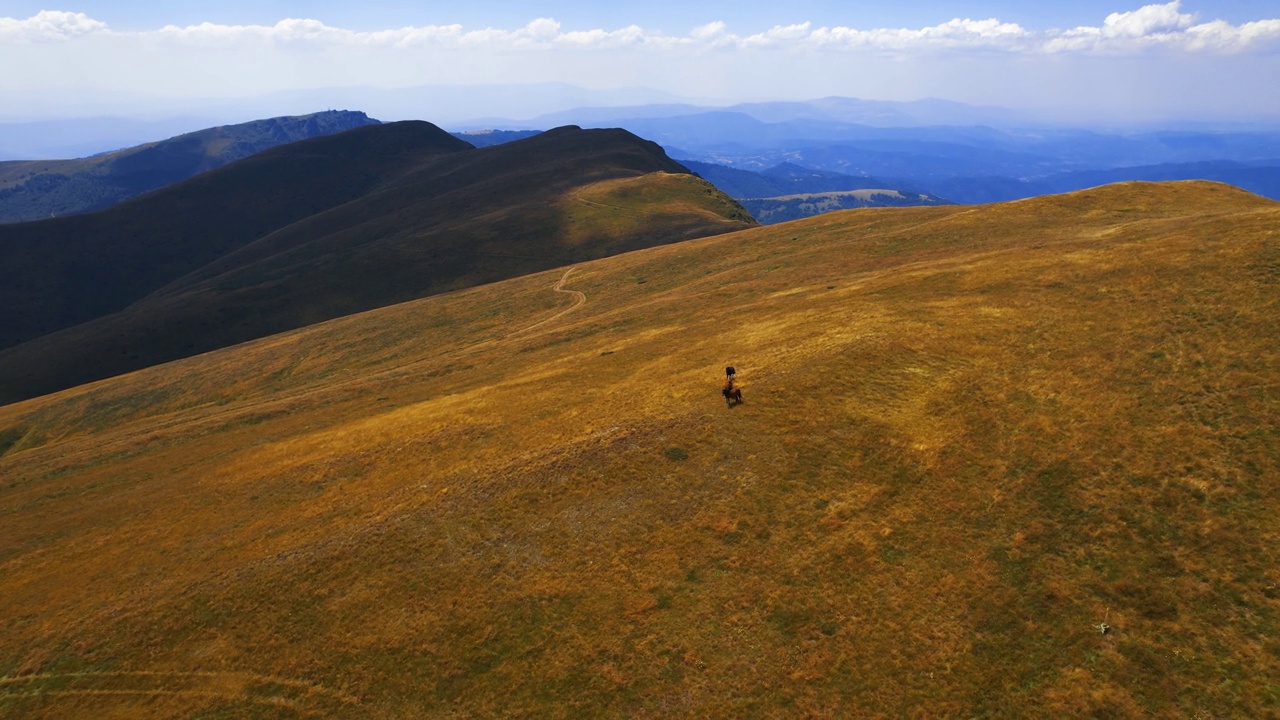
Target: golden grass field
{"x":970,"y":436}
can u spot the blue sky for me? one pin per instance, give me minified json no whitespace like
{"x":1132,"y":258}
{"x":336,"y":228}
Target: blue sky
{"x":668,"y":15}
{"x":1086,"y":60}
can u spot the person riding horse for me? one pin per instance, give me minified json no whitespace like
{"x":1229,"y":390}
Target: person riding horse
{"x":731,"y":394}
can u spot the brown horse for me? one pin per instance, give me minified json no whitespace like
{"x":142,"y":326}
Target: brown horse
{"x":732,"y":395}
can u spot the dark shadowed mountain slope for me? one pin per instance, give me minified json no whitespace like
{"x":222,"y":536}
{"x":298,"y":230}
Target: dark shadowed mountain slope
{"x":39,"y":189}
{"x":433,"y":216}
{"x":62,"y":272}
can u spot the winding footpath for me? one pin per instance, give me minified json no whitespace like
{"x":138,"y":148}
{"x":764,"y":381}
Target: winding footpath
{"x":578,"y":299}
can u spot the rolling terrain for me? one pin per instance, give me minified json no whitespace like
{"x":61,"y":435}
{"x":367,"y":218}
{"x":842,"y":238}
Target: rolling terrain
{"x":485,"y":138}
{"x":790,"y":192}
{"x":965,"y":154}
{"x":1011,"y":460}
{"x":784,"y":208}
{"x":781,"y":179}
{"x":323,"y":228}
{"x":39,"y":189}
{"x":1259,"y":177}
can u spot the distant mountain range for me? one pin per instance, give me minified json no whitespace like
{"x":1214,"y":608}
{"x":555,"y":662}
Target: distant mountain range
{"x":930,"y":149}
{"x":1261,"y":178}
{"x":789,"y":192}
{"x":47,"y":123}
{"x":945,"y":150}
{"x":39,"y":189}
{"x":485,"y":138}
{"x":842,"y":110}
{"x":321,"y":228}
{"x":782,"y":179}
{"x":772,"y":210}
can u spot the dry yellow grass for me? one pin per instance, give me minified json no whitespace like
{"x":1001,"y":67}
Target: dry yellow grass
{"x":623,"y":207}
{"x":970,"y":436}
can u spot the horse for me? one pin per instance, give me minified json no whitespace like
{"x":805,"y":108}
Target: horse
{"x":732,"y":395}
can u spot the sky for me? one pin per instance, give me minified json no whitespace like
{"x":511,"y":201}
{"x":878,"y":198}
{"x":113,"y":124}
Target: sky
{"x":1085,"y":60}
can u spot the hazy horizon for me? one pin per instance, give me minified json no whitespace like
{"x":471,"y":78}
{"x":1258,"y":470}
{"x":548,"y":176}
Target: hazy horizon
{"x":1092,"y":62}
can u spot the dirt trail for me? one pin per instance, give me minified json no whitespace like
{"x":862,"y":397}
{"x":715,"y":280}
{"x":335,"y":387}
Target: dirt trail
{"x":576,"y":195}
{"x":578,"y":299}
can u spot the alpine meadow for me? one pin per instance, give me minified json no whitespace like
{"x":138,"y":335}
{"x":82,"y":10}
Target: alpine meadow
{"x":1005,"y":460}
{"x":546,"y":360}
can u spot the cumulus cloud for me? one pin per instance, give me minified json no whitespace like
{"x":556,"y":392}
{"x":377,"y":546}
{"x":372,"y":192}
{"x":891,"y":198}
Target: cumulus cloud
{"x":49,"y":26}
{"x":955,"y":34}
{"x":1148,"y":20}
{"x":1152,"y":26}
{"x":1164,"y":26}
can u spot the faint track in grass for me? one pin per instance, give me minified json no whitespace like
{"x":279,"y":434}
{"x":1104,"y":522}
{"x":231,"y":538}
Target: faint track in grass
{"x":579,"y":298}
{"x":576,"y":196}
{"x":303,"y":698}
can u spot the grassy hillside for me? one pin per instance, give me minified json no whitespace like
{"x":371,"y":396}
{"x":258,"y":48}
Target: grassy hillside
{"x":322,"y":229}
{"x":39,"y":189}
{"x":971,"y":437}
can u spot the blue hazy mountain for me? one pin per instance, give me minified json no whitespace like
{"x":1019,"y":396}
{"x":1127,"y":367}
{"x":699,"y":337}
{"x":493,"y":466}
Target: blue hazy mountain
{"x":39,"y":189}
{"x":960,"y":152}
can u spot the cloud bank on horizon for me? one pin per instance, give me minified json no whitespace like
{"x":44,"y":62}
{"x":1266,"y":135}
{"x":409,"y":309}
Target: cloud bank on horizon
{"x":1151,"y":60}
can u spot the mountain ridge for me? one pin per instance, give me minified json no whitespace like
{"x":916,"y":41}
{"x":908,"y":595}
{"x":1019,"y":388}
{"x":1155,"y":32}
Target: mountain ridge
{"x":322,"y":228}
{"x":39,"y":189}
{"x":104,"y":261}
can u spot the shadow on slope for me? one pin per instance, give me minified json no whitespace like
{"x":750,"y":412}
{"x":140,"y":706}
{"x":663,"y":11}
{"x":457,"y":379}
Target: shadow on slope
{"x":62,"y":272}
{"x":442,"y":222}
{"x":39,"y":189}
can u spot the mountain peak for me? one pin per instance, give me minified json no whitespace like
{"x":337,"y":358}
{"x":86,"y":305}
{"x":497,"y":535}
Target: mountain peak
{"x":35,"y":190}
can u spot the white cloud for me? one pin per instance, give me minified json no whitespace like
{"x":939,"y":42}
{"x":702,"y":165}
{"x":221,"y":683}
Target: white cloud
{"x":1162,"y":26}
{"x":48,"y":26}
{"x":1148,"y":20}
{"x":955,"y":34}
{"x":1153,"y":56}
{"x":1166,"y":27}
